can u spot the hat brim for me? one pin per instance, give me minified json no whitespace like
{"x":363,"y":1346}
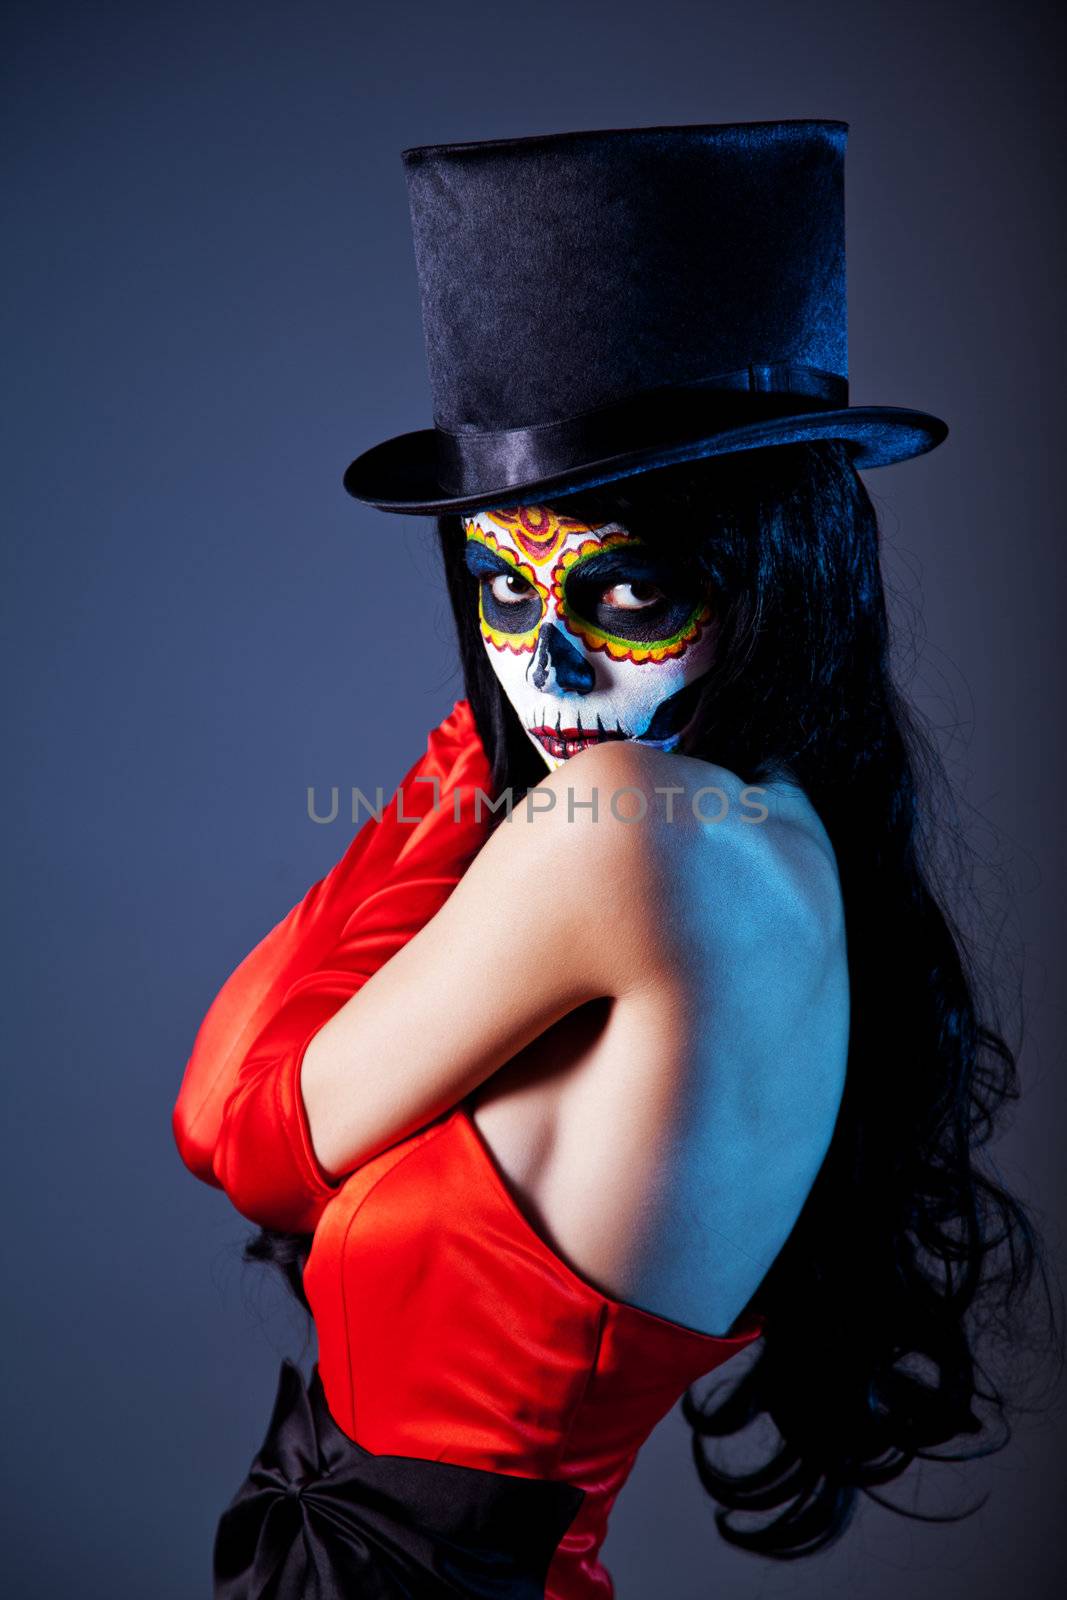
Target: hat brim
{"x":401,"y":474}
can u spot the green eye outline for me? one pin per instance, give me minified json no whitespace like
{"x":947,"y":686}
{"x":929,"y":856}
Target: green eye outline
{"x":687,"y":628}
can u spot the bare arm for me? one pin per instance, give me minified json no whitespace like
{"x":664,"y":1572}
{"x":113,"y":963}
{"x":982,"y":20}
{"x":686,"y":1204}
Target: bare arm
{"x":555,"y":910}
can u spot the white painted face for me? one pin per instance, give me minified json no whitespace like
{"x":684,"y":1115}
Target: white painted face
{"x":592,"y":635}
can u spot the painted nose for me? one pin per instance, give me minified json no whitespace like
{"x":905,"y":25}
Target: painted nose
{"x":557,"y":667}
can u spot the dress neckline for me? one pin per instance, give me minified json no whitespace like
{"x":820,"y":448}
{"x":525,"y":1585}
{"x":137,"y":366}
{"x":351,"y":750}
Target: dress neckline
{"x":748,"y":1329}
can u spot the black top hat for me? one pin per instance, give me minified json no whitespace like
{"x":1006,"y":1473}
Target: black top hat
{"x":599,"y":303}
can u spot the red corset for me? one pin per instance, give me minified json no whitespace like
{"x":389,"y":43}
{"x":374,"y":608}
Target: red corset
{"x":450,"y":1331}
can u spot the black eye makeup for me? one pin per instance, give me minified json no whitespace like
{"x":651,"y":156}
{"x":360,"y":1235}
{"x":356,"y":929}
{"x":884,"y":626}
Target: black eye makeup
{"x":632,"y":594}
{"x":510,"y":603}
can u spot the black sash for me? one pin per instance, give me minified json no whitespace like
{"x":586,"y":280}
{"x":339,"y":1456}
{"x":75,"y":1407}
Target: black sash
{"x":320,"y":1518}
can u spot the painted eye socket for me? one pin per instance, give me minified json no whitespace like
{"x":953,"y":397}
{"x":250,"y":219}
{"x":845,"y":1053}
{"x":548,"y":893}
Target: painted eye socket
{"x":510,"y":588}
{"x":650,"y":603}
{"x":634,"y":595}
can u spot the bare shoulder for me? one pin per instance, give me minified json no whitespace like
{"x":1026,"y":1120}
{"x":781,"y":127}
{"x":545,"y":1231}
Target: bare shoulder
{"x":595,"y":821}
{"x":771,"y":855}
{"x":688,"y":847}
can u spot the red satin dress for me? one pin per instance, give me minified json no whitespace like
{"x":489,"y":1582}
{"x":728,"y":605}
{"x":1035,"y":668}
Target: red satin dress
{"x":476,"y":1405}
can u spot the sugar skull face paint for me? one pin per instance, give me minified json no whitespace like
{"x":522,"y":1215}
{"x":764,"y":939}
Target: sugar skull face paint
{"x":592,"y":635}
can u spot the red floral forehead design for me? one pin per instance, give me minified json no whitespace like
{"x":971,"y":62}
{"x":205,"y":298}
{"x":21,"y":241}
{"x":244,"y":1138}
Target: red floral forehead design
{"x":537,"y":530}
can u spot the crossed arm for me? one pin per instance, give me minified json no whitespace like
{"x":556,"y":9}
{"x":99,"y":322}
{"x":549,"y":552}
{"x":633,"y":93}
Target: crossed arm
{"x":555,"y":910}
{"x":239,"y":1121}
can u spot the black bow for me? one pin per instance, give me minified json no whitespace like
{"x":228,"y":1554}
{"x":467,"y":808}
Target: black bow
{"x":320,"y":1518}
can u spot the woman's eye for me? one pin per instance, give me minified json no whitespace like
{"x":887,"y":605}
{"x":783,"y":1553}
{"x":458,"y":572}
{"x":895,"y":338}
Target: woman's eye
{"x":509,"y":587}
{"x":632,"y":596}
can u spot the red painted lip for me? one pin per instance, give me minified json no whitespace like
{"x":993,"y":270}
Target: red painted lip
{"x":568,"y":741}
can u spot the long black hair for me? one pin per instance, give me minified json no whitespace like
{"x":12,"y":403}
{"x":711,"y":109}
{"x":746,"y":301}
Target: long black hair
{"x":908,"y":1246}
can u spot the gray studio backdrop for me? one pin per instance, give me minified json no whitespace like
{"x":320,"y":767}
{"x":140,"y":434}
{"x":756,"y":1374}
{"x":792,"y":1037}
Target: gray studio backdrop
{"x":210,"y":307}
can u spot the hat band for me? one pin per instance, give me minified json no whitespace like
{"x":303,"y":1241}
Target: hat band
{"x":477,"y":460}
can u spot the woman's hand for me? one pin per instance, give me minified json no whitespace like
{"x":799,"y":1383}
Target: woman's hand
{"x":393,"y":877}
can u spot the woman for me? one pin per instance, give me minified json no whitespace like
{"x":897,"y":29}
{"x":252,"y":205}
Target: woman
{"x":685,"y":1054}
